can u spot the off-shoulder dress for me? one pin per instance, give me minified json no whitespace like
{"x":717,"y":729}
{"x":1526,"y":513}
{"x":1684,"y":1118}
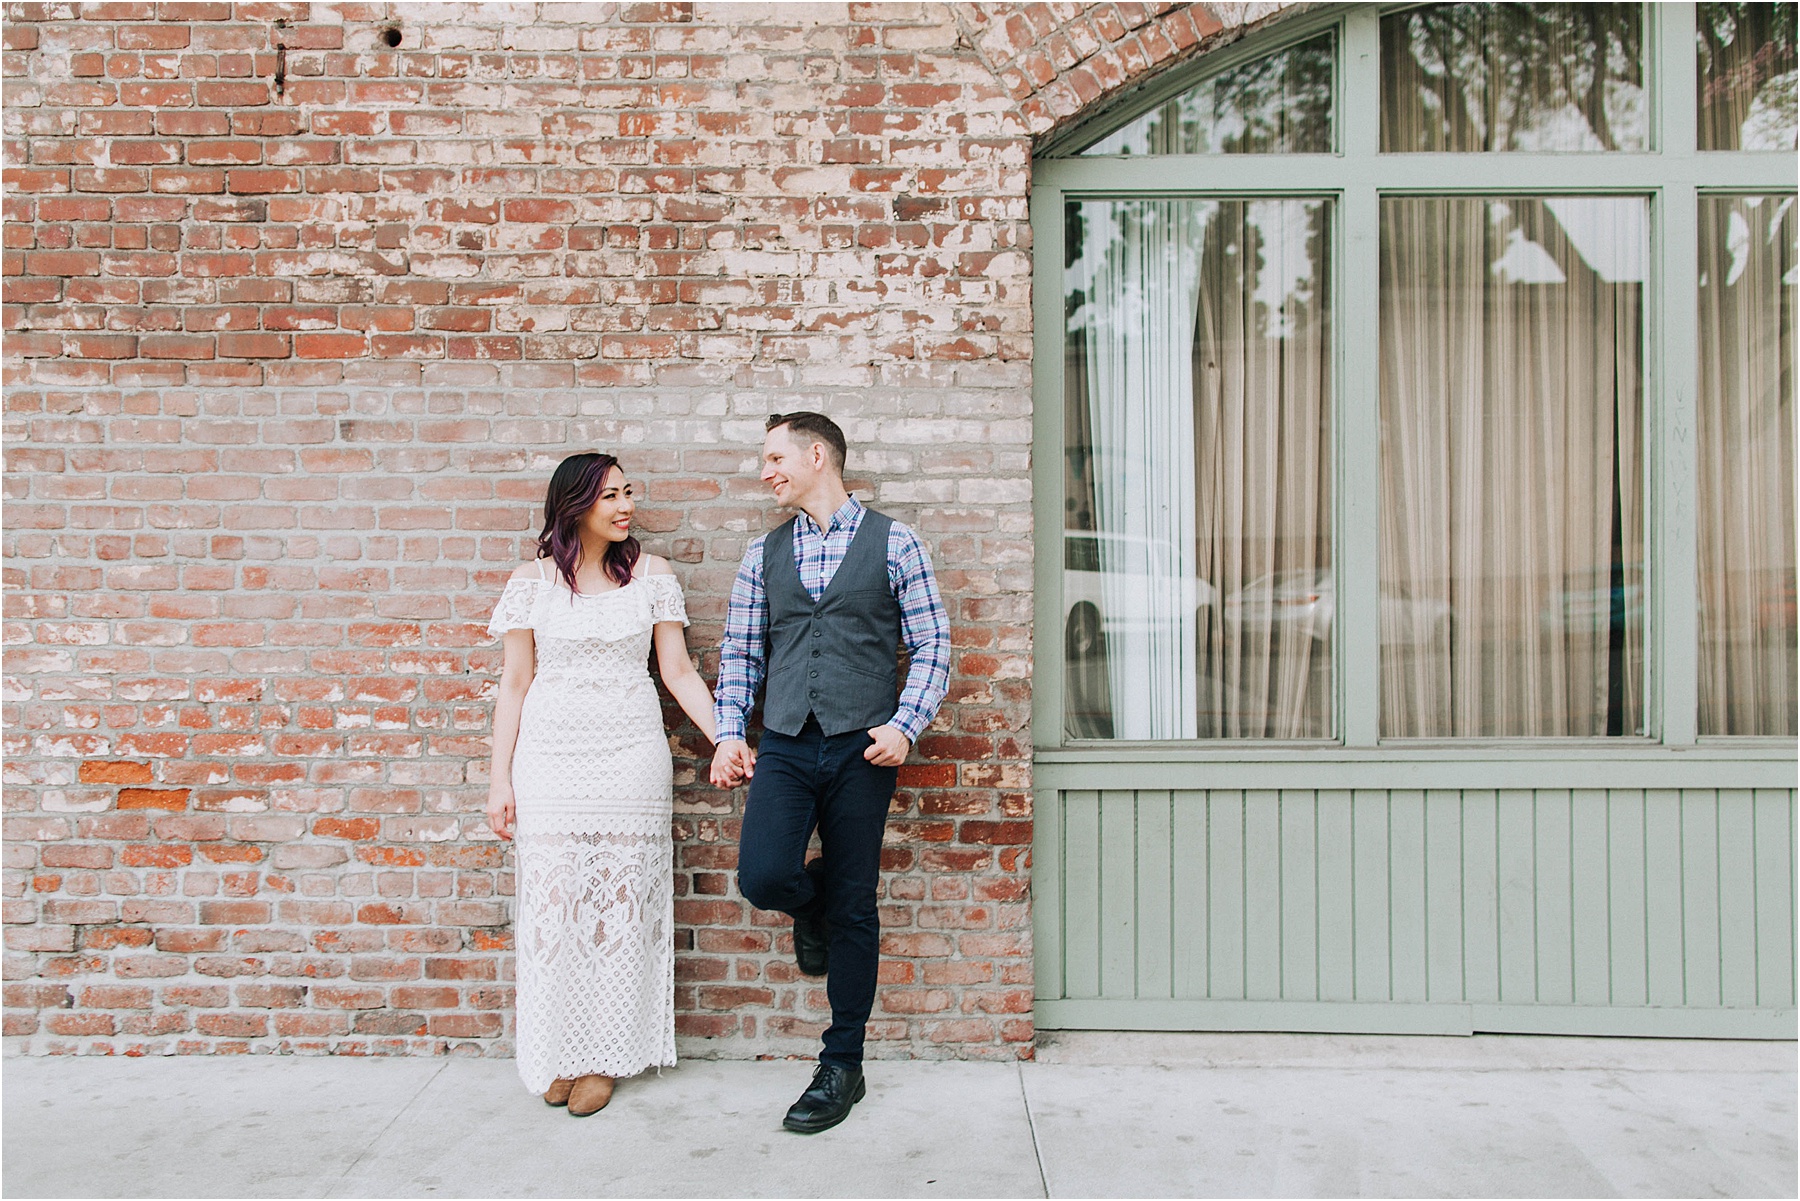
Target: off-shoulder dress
{"x":592,"y":780}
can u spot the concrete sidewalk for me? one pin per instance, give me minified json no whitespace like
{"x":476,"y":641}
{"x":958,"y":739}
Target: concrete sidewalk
{"x":1097,"y":1115}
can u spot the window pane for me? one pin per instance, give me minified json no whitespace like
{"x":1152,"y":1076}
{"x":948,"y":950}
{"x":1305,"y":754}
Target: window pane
{"x":1512,"y":600}
{"x":1280,"y":103}
{"x":1747,"y":76}
{"x":1197,"y":588}
{"x":1531,"y":77}
{"x":1749,"y":267}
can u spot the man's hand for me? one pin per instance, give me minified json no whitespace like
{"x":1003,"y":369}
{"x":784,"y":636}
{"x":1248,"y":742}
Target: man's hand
{"x":501,"y":812}
{"x":888,"y":747}
{"x":733,"y":763}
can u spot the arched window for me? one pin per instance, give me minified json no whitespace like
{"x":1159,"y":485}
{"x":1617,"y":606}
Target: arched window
{"x":1426,"y":374}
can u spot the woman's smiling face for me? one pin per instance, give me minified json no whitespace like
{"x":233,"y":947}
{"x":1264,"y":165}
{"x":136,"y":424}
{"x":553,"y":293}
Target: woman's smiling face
{"x":610,"y":518}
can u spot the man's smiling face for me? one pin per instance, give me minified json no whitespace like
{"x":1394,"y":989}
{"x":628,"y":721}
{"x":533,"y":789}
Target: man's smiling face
{"x":792,"y":467}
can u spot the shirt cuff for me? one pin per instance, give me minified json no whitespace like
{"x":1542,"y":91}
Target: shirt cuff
{"x":728,"y":729}
{"x":909,"y":723}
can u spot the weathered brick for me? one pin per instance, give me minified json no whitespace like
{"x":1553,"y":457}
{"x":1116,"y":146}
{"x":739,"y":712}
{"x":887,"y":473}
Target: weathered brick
{"x":298,"y":384}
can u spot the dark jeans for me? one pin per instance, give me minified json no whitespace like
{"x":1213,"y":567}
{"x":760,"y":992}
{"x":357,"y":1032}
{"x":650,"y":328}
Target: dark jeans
{"x":807,"y":781}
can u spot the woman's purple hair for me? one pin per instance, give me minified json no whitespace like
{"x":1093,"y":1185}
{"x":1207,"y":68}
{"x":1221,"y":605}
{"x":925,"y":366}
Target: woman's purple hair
{"x":574,"y":487}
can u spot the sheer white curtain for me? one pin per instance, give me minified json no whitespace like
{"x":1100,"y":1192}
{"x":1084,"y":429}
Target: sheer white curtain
{"x":1139,"y":276}
{"x":1748,"y":267}
{"x":1512,"y":533}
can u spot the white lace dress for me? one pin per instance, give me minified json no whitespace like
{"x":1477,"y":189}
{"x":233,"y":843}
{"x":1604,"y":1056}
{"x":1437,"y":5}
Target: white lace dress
{"x":594,"y":923}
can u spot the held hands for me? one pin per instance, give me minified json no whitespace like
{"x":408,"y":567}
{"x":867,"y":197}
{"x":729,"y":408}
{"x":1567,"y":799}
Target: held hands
{"x":888,"y":747}
{"x":733,"y":763}
{"x":501,"y":812}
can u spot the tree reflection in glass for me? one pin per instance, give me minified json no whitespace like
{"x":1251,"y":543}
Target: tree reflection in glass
{"x":1747,"y":76}
{"x":1277,"y":104}
{"x":1521,"y":77}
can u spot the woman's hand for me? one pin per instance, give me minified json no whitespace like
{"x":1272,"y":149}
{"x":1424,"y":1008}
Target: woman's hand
{"x":501,"y":812}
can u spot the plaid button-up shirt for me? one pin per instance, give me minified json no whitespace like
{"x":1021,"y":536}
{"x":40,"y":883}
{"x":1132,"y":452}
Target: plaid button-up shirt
{"x":924,"y":626}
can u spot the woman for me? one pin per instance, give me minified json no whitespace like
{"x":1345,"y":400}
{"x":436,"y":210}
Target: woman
{"x":581,"y":769}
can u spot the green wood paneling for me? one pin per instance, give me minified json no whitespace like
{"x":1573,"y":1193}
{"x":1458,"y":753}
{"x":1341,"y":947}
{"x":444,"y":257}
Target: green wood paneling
{"x":1590,"y":892}
{"x":1118,"y":894}
{"x":1047,"y":813}
{"x":1556,"y":911}
{"x":1663,"y":921}
{"x":1188,"y":873}
{"x":1081,"y":893}
{"x":1225,"y":917}
{"x":1481,"y":897}
{"x":1262,"y":895}
{"x":1702,"y":959}
{"x":1155,"y":897}
{"x":1774,"y":898}
{"x":1337,"y":905}
{"x":1554,"y":969}
{"x":1406,"y":895}
{"x":1625,"y":908}
{"x":1737,"y":897}
{"x":1515,"y":858}
{"x":1299,"y":897}
{"x":1369,"y":880}
{"x":1443,"y":896}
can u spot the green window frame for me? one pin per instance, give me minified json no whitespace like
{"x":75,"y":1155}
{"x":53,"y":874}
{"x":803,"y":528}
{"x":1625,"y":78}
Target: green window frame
{"x":1672,"y":173}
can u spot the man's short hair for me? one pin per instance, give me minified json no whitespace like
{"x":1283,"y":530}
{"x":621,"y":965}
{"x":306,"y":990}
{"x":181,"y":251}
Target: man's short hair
{"x":810,"y":428}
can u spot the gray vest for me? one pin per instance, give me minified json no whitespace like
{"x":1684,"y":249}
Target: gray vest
{"x":836,"y":658}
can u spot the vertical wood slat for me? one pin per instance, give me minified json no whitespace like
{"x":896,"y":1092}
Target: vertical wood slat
{"x":1225,"y":910}
{"x":1369,"y":870}
{"x":1299,"y":896}
{"x":1737,"y":897}
{"x":1700,"y":961}
{"x":1262,"y":895}
{"x":1554,"y":966}
{"x":1406,"y":894}
{"x":1481,"y":889}
{"x":1515,"y":859}
{"x":1590,"y":896}
{"x":1188,"y":869}
{"x":1081,"y":892}
{"x":1155,"y":898}
{"x":1337,"y":899}
{"x":1118,"y":893}
{"x":1444,"y":919}
{"x":1774,"y":897}
{"x":1625,"y":858}
{"x":1047,"y":876}
{"x":1662,"y":897}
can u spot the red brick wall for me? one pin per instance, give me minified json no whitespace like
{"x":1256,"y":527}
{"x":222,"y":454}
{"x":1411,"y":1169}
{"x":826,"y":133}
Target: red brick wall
{"x":287,"y":366}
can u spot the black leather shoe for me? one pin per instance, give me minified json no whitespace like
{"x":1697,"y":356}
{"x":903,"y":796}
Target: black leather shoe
{"x":827,"y":1100}
{"x":812,"y":937}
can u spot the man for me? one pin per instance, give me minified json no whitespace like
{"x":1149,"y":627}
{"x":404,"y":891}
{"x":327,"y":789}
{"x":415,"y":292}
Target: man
{"x":820,"y":607}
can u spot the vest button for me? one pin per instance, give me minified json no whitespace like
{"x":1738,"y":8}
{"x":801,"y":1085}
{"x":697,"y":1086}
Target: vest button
{"x":816,"y":652}
{"x":813,"y":674}
{"x":818,"y":633}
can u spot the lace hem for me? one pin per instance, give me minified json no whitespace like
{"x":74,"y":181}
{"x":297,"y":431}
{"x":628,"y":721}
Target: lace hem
{"x":596,"y":963}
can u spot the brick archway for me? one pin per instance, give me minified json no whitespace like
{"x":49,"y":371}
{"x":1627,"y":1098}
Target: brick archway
{"x":1058,"y":61}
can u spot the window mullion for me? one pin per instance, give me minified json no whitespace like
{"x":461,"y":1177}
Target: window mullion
{"x":1357,"y":559}
{"x":1047,"y":484}
{"x":1674,"y":624}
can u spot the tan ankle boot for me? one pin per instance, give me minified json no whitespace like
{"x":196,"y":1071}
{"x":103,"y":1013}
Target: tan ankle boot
{"x":558,"y":1093}
{"x":590,"y":1095}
